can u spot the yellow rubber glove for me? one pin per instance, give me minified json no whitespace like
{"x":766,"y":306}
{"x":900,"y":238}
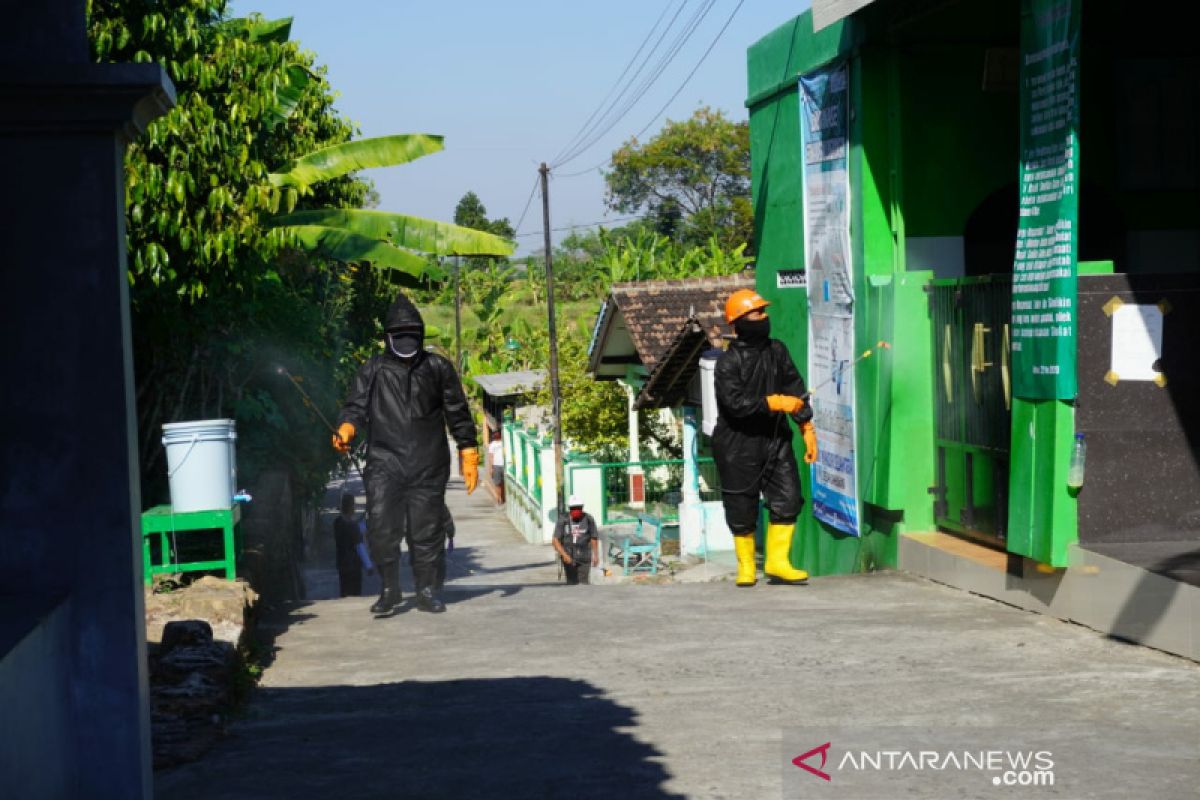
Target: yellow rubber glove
{"x":470,"y":467}
{"x":785,"y":403}
{"x":810,"y":442}
{"x":341,"y":439}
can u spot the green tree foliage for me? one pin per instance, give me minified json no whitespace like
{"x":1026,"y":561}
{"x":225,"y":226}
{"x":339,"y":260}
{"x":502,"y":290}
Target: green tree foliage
{"x":594,"y":413}
{"x":692,"y":180}
{"x":586,"y":265}
{"x":219,"y":298}
{"x":471,"y":213}
{"x":197,"y":185}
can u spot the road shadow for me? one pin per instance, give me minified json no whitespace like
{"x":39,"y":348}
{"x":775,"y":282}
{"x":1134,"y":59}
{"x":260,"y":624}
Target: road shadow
{"x":269,"y":625}
{"x":505,"y":738}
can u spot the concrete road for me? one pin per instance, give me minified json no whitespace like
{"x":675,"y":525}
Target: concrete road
{"x":527,"y":688}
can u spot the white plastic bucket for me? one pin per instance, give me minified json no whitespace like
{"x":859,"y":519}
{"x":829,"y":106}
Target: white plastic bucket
{"x":201,"y":464}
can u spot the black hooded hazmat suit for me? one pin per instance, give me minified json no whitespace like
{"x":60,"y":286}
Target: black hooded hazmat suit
{"x":406,"y":405}
{"x":752,"y":445}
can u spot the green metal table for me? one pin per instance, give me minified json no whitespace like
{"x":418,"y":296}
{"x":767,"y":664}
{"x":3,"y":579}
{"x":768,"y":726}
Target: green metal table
{"x":163,"y":522}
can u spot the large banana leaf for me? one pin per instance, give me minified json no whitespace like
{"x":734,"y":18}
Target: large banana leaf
{"x":259,"y":30}
{"x":353,"y":248}
{"x":342,"y":159}
{"x":414,"y":233}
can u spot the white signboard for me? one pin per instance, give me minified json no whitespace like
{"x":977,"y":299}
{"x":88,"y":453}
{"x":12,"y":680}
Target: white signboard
{"x":1136,"y":342}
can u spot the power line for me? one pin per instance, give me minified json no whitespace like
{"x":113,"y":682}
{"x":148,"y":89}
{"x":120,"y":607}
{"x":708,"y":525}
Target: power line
{"x":583,"y":171}
{"x":659,"y":68}
{"x":717,"y":38}
{"x":583,"y":128}
{"x":664,"y":61}
{"x":528,"y":202}
{"x":567,"y":152}
{"x":676,"y":48}
{"x":583,"y":131}
{"x":658,"y":114}
{"x":586,"y":225}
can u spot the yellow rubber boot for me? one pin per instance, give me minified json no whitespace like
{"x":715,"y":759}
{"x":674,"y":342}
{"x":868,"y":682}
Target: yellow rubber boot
{"x":779,"y":545}
{"x":744,"y":547}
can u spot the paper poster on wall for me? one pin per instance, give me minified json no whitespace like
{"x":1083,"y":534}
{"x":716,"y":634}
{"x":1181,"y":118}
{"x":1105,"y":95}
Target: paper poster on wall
{"x":1136,"y":342}
{"x":825,"y":132}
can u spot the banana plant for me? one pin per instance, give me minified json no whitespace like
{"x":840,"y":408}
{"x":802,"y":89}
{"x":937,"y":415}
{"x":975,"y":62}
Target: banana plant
{"x":402,"y":230}
{"x":337,"y":160}
{"x":383,"y":239}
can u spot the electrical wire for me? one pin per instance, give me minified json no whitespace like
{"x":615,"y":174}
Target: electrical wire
{"x":580,"y":133}
{"x":677,"y":46}
{"x":584,"y":225}
{"x":528,"y":202}
{"x":565,"y":156}
{"x":691,"y":74}
{"x":673,"y":96}
{"x":664,"y":61}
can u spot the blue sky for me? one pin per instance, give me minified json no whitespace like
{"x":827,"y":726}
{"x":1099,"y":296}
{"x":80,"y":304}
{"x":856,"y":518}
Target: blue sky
{"x":509,"y":84}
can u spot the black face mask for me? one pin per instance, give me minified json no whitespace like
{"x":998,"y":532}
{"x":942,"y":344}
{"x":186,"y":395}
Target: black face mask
{"x":752,"y":331}
{"x":404,"y":344}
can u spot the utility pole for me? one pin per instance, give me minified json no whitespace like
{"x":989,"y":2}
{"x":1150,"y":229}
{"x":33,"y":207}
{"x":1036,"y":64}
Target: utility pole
{"x":555,"y":396}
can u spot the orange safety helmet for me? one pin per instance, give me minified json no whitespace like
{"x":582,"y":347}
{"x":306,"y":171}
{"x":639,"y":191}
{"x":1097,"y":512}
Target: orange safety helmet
{"x":743,"y":301}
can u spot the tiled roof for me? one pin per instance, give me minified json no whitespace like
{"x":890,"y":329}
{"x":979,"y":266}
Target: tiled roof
{"x":654,"y":312}
{"x":668,"y":383}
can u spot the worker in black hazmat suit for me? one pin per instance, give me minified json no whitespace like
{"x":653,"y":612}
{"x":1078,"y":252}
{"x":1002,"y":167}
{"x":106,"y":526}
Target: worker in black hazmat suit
{"x":758,"y":387}
{"x":407,"y":398}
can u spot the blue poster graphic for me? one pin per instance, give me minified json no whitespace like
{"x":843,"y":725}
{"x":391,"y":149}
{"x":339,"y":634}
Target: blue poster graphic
{"x":825,"y":134}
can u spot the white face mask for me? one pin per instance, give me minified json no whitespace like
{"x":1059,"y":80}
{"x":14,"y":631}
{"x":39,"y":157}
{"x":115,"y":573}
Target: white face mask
{"x":404,"y":344}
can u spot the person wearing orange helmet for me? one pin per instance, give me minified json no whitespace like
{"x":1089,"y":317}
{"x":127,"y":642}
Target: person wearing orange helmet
{"x":758,"y":387}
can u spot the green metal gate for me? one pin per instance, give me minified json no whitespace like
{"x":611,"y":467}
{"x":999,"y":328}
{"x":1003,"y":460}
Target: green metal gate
{"x":973,"y":401}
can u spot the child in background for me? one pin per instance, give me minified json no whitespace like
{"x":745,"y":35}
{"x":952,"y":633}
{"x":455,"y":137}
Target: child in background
{"x":347,"y":536}
{"x":496,"y":455}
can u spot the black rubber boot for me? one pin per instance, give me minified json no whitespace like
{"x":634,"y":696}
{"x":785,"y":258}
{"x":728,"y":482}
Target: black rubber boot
{"x":427,"y":600}
{"x":390,"y":597}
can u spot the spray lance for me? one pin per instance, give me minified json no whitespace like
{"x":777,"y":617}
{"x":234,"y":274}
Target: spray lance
{"x":308,"y":401}
{"x":805,"y":414}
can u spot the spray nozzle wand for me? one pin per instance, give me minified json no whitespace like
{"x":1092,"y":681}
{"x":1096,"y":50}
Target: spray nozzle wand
{"x":880,"y":345}
{"x":308,"y":401}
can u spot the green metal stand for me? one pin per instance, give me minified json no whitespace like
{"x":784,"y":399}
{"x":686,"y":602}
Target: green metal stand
{"x":164,"y":523}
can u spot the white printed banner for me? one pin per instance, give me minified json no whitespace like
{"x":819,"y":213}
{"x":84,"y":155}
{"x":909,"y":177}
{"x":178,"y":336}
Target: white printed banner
{"x":825,"y":130}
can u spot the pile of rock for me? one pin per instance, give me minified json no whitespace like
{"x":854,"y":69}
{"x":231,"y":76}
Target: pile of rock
{"x":193,"y":638}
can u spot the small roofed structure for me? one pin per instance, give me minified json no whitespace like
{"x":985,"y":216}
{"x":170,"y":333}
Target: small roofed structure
{"x":649,"y":337}
{"x":641,"y":321}
{"x":506,"y":390}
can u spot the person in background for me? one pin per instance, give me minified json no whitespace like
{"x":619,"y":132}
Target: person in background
{"x":406,"y":399}
{"x":577,"y":542}
{"x":347,"y":535}
{"x":496,"y":455}
{"x":758,"y":388}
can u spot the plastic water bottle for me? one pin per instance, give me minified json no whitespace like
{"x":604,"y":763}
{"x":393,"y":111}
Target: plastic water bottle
{"x":1075,"y":471}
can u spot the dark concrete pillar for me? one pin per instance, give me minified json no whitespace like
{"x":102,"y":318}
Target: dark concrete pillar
{"x":70,"y":553}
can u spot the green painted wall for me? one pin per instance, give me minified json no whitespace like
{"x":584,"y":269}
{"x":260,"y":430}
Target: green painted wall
{"x":961,"y":143}
{"x":895,"y":436}
{"x":928,"y":144}
{"x":773,"y":65}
